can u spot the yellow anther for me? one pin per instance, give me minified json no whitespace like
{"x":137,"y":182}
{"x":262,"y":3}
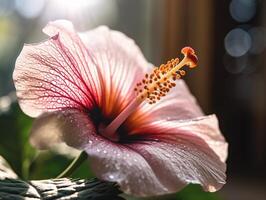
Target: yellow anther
{"x":161,"y":80}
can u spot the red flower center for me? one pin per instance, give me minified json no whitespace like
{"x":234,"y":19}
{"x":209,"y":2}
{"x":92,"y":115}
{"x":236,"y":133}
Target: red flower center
{"x":152,"y":88}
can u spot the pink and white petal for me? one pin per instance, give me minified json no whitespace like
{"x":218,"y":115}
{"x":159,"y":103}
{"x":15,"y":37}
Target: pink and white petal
{"x":190,"y":151}
{"x":187,"y":159}
{"x":174,"y":159}
{"x":178,"y":104}
{"x":110,"y":161}
{"x":71,"y":126}
{"x":144,"y":168}
{"x":56,"y":74}
{"x":117,"y":163}
{"x":121,"y":64}
{"x":84,"y":59}
{"x":207,"y":128}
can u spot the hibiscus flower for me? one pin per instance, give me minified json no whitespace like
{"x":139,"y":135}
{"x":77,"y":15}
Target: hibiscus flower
{"x":139,"y":125}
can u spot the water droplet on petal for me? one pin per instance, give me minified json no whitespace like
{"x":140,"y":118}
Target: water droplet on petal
{"x":111,"y":176}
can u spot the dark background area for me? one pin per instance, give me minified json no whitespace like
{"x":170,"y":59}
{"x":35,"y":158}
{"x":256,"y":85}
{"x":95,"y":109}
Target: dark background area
{"x":230,"y":40}
{"x":241,"y":99}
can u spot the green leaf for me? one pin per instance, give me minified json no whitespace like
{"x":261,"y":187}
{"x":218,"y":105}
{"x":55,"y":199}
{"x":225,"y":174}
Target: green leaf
{"x":14,"y":140}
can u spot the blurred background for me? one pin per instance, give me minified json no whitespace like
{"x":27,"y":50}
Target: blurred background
{"x":229,"y":38}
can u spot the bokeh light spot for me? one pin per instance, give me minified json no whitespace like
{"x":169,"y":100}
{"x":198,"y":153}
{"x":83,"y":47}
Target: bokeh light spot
{"x":237,"y":42}
{"x":29,"y":8}
{"x":242,"y":10}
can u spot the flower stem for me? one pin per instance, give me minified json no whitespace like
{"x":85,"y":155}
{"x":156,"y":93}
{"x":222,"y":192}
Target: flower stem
{"x":74,"y":165}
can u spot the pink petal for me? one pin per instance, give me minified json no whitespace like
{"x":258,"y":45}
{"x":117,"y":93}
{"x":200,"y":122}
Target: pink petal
{"x":158,"y":164}
{"x":206,"y":128}
{"x":190,"y":151}
{"x":166,"y":160}
{"x":55,"y":74}
{"x":178,"y":104}
{"x":69,"y":125}
{"x":187,"y":159}
{"x":101,"y":70}
{"x":110,"y":161}
{"x":118,"y":163}
{"x":121,"y":64}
